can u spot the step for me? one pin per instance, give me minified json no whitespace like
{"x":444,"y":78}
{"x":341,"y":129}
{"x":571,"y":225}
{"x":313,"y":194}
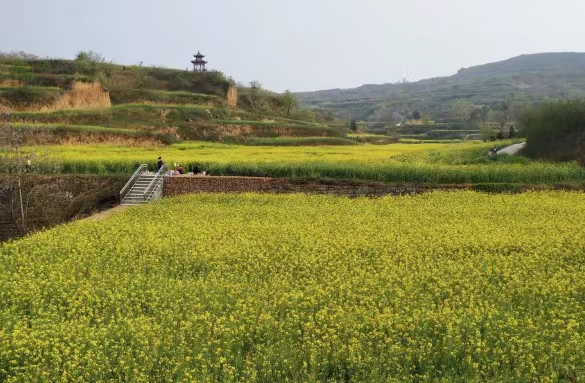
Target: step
{"x":134,"y":197}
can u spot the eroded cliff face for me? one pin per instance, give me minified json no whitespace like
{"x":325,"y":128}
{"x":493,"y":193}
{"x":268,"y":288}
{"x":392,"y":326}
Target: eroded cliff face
{"x":232,"y":97}
{"x":81,"y":96}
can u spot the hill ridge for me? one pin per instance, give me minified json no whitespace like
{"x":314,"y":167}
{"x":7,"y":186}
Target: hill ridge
{"x":527,"y":77}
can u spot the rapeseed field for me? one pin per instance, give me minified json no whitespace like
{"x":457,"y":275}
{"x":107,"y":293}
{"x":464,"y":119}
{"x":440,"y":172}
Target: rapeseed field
{"x":396,"y":163}
{"x":440,"y":287}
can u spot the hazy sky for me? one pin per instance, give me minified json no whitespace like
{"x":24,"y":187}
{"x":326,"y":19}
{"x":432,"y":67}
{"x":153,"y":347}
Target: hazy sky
{"x":298,"y":44}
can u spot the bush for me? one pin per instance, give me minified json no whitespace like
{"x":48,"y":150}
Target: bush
{"x":29,"y":96}
{"x":555,"y":131}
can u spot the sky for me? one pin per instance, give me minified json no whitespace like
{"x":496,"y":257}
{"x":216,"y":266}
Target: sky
{"x":300,"y":45}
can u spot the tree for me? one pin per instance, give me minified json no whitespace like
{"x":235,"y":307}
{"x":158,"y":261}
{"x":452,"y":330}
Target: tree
{"x":555,"y":131}
{"x":462,"y":110}
{"x":289,"y":101}
{"x":512,"y":132}
{"x":254,"y":95}
{"x":416,"y":115}
{"x":92,"y":64}
{"x":142,"y":75}
{"x":15,"y":164}
{"x":328,"y":115}
{"x":485,"y":111}
{"x":353,"y":126}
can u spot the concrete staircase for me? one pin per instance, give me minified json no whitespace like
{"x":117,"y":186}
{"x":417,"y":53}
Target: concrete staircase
{"x":142,"y":187}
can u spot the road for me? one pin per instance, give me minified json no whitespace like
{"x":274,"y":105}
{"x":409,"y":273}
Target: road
{"x":512,"y":149}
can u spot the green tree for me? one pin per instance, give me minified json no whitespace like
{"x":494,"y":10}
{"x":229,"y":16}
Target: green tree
{"x":462,"y":109}
{"x":328,"y":115}
{"x":555,"y":130}
{"x":353,"y":126}
{"x":512,"y":132}
{"x":94,"y":66}
{"x":416,"y":115}
{"x":289,"y":101}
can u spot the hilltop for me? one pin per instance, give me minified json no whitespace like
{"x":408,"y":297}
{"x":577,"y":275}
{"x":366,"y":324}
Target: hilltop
{"x":526,"y":78}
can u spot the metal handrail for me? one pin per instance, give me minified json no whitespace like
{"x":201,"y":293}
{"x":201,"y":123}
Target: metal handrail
{"x":154,"y":182}
{"x":132,"y":181}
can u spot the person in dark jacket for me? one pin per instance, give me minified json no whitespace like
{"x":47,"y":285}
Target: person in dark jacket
{"x":159,"y":164}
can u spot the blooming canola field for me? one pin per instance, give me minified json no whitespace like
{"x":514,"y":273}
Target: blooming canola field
{"x":401,"y":163}
{"x":445,"y":286}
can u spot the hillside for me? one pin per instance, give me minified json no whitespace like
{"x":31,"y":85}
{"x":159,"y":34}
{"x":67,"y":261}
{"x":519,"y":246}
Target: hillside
{"x":88,"y":100}
{"x":526,"y":78}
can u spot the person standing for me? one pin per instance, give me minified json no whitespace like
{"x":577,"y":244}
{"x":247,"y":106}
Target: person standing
{"x":159,"y":164}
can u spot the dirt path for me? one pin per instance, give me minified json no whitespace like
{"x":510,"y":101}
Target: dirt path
{"x":106,"y":213}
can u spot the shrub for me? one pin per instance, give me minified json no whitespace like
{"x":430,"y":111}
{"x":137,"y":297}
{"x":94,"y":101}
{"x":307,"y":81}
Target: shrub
{"x":555,"y":131}
{"x":29,"y":96}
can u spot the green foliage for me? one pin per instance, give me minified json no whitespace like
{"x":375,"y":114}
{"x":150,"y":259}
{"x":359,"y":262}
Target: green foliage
{"x":353,"y":126}
{"x":26,"y":96}
{"x":90,"y":63}
{"x":555,"y":131}
{"x":289,"y":101}
{"x":299,"y":141}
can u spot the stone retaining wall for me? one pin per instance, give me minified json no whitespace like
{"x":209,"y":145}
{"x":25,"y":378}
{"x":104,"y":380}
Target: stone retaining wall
{"x":178,"y":185}
{"x":174,"y":186}
{"x":50,"y":200}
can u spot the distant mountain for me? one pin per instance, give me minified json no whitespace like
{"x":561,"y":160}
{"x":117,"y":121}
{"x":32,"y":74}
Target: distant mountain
{"x":526,"y":78}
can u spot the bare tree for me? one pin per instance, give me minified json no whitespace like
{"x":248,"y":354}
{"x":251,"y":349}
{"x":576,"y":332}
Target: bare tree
{"x":142,"y":76}
{"x":15,"y":163}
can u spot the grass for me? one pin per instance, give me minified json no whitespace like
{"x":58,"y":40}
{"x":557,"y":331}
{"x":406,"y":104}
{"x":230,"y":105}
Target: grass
{"x":429,"y":163}
{"x":76,"y":128}
{"x":441,"y":287}
{"x":32,"y":88}
{"x":125,"y":96}
{"x":299,"y":141}
{"x":276,"y":123}
{"x":62,"y":133}
{"x":417,"y":141}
